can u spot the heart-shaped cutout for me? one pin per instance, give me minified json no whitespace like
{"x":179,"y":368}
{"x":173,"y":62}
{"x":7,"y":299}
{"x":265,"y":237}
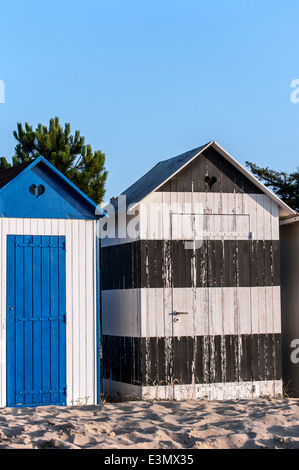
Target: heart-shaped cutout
{"x":37,"y":190}
{"x":210,"y":181}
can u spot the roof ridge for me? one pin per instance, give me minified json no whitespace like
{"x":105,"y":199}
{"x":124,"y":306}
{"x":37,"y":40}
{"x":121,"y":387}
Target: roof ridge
{"x":166,"y":169}
{"x":156,"y":176}
{"x":195,"y":149}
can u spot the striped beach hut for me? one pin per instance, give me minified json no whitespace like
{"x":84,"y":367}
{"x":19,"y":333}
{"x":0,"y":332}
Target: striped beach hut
{"x":191,"y":299}
{"x":49,"y":283}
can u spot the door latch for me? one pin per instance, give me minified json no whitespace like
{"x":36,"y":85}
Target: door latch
{"x":176,"y":315}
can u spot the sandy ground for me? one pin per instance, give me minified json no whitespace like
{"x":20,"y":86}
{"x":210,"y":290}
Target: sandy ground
{"x":247,"y":424}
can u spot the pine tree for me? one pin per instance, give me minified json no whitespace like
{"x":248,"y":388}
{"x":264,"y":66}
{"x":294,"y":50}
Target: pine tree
{"x":285,"y":185}
{"x":67,"y":152}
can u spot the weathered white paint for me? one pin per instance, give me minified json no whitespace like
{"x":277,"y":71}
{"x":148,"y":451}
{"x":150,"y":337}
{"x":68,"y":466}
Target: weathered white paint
{"x":120,"y":229}
{"x":215,"y":391}
{"x":216,"y":226}
{"x":223,"y":215}
{"x":147,"y":312}
{"x":81,"y":307}
{"x":211,"y":311}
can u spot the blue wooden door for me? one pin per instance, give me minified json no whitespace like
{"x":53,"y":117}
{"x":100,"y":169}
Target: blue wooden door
{"x":36,"y":321}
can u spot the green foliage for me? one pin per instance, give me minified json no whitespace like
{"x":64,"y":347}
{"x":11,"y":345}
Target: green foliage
{"x":4,"y":164}
{"x":284,"y":185}
{"x":67,"y":152}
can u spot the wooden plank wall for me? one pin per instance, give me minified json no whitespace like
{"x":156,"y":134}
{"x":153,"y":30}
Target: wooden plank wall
{"x":230,"y":287}
{"x":80,"y":301}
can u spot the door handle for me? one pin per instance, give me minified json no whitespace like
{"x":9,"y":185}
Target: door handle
{"x":180,"y":313}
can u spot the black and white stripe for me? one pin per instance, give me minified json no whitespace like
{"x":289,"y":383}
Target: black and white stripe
{"x":219,"y":263}
{"x":185,"y":360}
{"x":228,"y":289}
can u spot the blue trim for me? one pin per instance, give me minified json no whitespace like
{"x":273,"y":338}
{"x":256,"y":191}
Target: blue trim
{"x":28,"y":168}
{"x":94,"y":205}
{"x":57,"y":172}
{"x":53,"y":197}
{"x":98,"y":322}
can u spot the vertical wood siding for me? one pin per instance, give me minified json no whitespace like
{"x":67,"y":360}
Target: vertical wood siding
{"x":257,"y":212}
{"x":228,"y":290}
{"x":81,"y":301}
{"x":232,"y":294}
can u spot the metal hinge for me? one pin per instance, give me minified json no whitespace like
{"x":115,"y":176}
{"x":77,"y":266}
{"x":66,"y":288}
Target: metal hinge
{"x":41,"y":245}
{"x":42,"y":392}
{"x":24,"y":319}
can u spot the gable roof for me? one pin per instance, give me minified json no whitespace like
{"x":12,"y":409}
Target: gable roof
{"x":167,"y":169}
{"x":158,"y":175}
{"x":10,"y":175}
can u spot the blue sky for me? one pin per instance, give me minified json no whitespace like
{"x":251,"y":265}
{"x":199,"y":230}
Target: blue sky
{"x":144,"y":80}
